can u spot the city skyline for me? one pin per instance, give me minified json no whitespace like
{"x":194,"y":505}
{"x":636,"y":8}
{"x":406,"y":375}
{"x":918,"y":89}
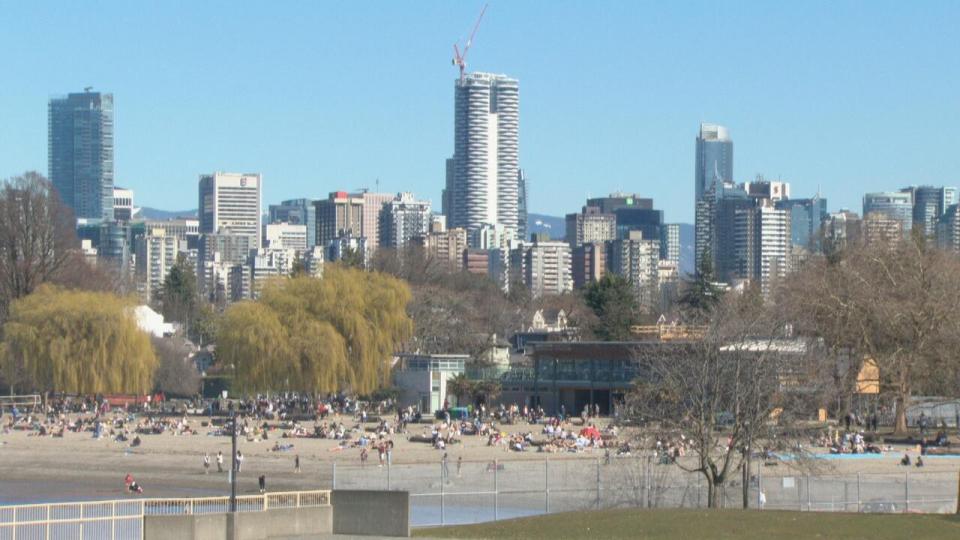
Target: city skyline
{"x":852,"y":111}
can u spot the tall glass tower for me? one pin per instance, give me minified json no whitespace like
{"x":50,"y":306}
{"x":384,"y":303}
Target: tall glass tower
{"x":483,"y":182}
{"x":80,"y":152}
{"x":714,"y":157}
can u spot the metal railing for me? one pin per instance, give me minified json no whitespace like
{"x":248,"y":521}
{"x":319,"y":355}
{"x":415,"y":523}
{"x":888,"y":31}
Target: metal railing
{"x":123,"y":519}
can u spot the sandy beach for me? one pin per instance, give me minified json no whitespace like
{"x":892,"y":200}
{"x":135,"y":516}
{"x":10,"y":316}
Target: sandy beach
{"x":78,"y":466}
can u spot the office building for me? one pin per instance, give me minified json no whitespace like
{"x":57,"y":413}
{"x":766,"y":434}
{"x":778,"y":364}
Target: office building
{"x":122,"y":204}
{"x":483,"y":179}
{"x":948,"y":229}
{"x":402,"y":219}
{"x":230,"y":204}
{"x":297,"y":212}
{"x":897,"y":206}
{"x":350,"y":248}
{"x":589,"y":263}
{"x":670,"y":242}
{"x":806,"y":220}
{"x":182,"y":228}
{"x":80,"y":153}
{"x":881,"y":228}
{"x":590,"y":225}
{"x":113,"y":241}
{"x":929,"y":204}
{"x":370,"y":221}
{"x":285,"y":236}
{"x":615,"y":201}
{"x":521,"y":204}
{"x":340,"y":215}
{"x":714,"y":159}
{"x":767,"y":189}
{"x":840,"y":230}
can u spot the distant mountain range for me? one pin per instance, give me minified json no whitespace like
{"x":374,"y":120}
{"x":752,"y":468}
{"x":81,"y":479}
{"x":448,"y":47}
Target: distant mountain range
{"x":153,"y":213}
{"x":536,"y":223}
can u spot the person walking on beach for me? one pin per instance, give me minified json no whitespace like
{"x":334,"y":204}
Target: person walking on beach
{"x":220,"y":461}
{"x":363,"y":457}
{"x":206,"y":463}
{"x":296,"y":463}
{"x":262,"y":481}
{"x":445,"y":469}
{"x":459,"y":465}
{"x":239,"y":461}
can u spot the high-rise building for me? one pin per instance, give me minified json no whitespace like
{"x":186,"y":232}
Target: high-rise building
{"x":929,"y":204}
{"x":156,"y":253}
{"x":80,"y":152}
{"x":297,"y":212}
{"x":948,"y":229}
{"x":445,"y":246}
{"x":483,"y":185}
{"x":646,"y":220}
{"x":402,"y":219}
{"x":589,"y":263}
{"x":521,"y":204}
{"x":841,"y":229}
{"x":370,"y":223}
{"x":183,"y":228}
{"x":543,"y":266}
{"x":230,"y":204}
{"x":122,"y":204}
{"x":590,"y":225}
{"x":714,"y":160}
{"x":615,"y":201}
{"x":767,"y":189}
{"x":762,"y":246}
{"x":340,"y":215}
{"x":285,"y":236}
{"x":806,"y":219}
{"x":897,"y":206}
{"x":636,"y":258}
{"x":670,"y":242}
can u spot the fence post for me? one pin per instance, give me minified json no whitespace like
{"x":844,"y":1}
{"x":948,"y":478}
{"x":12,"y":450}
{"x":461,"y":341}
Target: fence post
{"x":859,"y":500}
{"x":760,"y":495}
{"x":598,"y":483}
{"x":334,"y":482}
{"x":906,"y":492}
{"x":496,"y":490}
{"x":699,"y":502}
{"x":441,"y":496}
{"x":807,"y":476}
{"x":265,"y":502}
{"x":113,"y":522}
{"x":546,"y":484}
{"x":48,"y":524}
{"x":388,"y":476}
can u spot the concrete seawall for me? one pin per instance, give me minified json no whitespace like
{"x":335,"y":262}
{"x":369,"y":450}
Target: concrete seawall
{"x":373,"y":513}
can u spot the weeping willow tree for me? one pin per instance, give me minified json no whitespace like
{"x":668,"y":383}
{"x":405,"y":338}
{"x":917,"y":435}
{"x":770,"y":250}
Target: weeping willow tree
{"x":317,"y":335}
{"x":78,"y":342}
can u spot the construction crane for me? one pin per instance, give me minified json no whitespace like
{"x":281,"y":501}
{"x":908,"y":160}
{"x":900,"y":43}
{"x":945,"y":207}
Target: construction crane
{"x":460,"y":59}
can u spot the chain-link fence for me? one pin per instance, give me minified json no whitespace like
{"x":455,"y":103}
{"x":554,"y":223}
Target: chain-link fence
{"x":472,"y":492}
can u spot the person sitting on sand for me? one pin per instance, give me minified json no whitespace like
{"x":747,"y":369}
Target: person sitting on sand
{"x":906,"y":460}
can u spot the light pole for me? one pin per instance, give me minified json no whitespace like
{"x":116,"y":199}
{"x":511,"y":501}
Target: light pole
{"x":233,"y":457}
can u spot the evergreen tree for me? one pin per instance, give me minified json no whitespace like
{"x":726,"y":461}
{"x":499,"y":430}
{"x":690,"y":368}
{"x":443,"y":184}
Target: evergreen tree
{"x":178,"y":298}
{"x":613,"y":300}
{"x":701,"y":295}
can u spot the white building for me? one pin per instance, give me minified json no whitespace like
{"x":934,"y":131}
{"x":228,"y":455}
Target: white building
{"x":483,"y":175}
{"x":422,"y":380}
{"x":122,"y":204}
{"x":285,"y":236}
{"x":637,"y":260}
{"x":230,"y":203}
{"x":403,"y":218}
{"x":156,"y":254}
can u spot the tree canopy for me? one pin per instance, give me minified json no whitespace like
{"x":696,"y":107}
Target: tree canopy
{"x":317,"y":335}
{"x":613,"y":300}
{"x":78,"y":342}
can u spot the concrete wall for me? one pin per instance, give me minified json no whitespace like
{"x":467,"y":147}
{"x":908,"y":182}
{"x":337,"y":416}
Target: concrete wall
{"x":198,"y":527}
{"x":381,"y":513}
{"x":243,"y":526}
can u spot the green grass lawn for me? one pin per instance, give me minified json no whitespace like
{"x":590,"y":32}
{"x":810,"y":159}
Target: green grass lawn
{"x":702,"y":524}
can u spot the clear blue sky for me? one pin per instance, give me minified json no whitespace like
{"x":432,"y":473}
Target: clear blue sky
{"x":318,"y":96}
